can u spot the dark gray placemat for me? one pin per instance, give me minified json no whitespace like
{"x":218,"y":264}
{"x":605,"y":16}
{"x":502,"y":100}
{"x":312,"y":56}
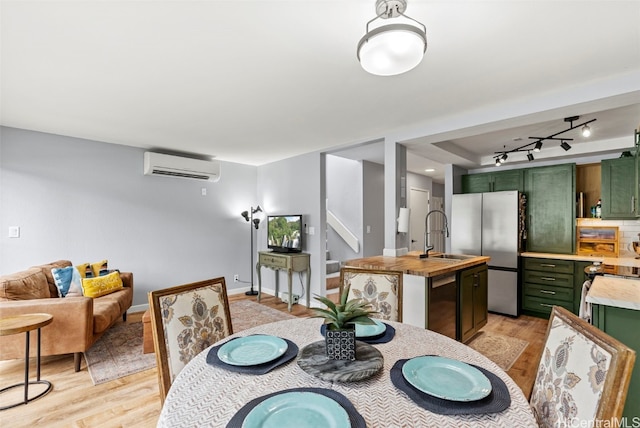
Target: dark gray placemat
{"x":290,"y":353}
{"x":356,"y":419}
{"x":497,"y":401}
{"x":385,"y":337}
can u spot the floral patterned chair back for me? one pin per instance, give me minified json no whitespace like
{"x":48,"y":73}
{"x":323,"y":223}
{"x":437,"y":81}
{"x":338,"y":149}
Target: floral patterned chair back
{"x":382,"y":289}
{"x":186,"y":320}
{"x":583,"y":375}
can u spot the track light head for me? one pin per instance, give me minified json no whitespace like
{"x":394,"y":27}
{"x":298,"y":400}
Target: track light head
{"x":498,"y":163}
{"x":503,"y":158}
{"x":530,"y":156}
{"x":538,"y":147}
{"x":586,"y":131}
{"x":565,"y":145}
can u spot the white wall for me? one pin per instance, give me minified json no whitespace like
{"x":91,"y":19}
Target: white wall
{"x":344,"y":186}
{"x":85,"y":201}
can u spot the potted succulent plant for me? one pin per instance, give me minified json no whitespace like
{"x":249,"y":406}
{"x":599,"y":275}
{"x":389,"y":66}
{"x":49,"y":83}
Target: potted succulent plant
{"x":340,"y":320}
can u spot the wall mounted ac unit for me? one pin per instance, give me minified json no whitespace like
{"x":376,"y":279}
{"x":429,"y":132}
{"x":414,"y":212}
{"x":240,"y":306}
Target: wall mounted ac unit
{"x":177,"y":166}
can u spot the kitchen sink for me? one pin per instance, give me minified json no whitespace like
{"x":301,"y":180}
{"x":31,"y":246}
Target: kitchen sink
{"x":451,"y":256}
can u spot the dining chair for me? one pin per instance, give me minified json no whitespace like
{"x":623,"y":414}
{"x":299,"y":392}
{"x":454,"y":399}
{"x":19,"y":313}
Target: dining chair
{"x":185,"y":320}
{"x":382,"y":289}
{"x":583,"y":375}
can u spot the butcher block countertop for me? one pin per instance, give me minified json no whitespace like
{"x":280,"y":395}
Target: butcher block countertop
{"x":412,"y":264}
{"x":614,"y":261}
{"x":618,"y":292}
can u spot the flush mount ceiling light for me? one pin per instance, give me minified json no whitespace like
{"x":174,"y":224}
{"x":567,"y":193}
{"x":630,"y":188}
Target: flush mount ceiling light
{"x":501,"y":156}
{"x":392,"y":49}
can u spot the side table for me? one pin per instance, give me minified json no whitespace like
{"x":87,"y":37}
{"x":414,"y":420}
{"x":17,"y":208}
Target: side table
{"x":290,"y":262}
{"x":24,"y":324}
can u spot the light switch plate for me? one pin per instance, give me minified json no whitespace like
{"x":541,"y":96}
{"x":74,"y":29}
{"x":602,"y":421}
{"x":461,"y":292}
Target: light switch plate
{"x":14,"y":231}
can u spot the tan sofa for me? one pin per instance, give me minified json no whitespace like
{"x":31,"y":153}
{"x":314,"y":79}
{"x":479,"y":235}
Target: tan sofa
{"x":77,"y":321}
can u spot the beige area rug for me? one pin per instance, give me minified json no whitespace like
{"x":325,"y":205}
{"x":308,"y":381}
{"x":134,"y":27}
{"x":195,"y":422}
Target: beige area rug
{"x":118,"y":352}
{"x":502,"y":350}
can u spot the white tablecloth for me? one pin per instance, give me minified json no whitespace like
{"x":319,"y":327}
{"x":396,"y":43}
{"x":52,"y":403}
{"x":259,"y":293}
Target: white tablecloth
{"x":207,"y":396}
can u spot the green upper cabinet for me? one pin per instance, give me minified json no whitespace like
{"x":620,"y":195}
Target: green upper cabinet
{"x":619,"y":188}
{"x":493,"y":181}
{"x":551,"y":208}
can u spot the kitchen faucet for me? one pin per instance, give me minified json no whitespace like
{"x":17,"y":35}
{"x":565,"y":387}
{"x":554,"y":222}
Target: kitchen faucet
{"x":428,"y":247}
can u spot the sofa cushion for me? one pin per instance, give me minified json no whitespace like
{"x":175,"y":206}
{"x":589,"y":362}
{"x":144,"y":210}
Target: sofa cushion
{"x":124,"y":297}
{"x":68,"y":281}
{"x":25,"y":285}
{"x":92,"y":270}
{"x":101,"y":285}
{"x":46,"y":270}
{"x":105,"y":312}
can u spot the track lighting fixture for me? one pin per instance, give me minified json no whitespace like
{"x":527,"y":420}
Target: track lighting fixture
{"x":501,"y":156}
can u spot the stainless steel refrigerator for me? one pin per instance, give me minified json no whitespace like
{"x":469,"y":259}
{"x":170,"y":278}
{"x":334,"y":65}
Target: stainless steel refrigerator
{"x":490,"y":224}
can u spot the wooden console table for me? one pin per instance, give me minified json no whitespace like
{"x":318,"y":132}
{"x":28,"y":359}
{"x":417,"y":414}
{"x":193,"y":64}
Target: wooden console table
{"x":291,"y":262}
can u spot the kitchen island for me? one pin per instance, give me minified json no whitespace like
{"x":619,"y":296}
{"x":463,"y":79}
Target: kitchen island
{"x":616,"y":311}
{"x":446,"y":293}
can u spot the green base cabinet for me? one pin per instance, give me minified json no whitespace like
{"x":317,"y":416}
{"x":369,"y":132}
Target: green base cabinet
{"x":545,"y":283}
{"x":473,"y":301}
{"x":623,"y":325}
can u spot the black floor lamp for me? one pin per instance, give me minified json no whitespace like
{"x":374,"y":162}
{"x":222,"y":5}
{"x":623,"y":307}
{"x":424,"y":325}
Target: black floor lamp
{"x":255,"y":222}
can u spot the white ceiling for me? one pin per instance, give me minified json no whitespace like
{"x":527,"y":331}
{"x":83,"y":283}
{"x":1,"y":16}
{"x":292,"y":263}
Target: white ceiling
{"x":258,"y":81}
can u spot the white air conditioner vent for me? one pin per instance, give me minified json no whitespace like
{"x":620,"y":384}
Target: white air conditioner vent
{"x":178,"y":166}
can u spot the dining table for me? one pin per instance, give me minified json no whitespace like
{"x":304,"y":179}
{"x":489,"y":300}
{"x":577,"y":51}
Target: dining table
{"x":209,"y":395}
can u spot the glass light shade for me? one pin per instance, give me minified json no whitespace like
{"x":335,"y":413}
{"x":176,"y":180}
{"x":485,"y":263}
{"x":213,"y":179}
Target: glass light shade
{"x":392,"y":49}
{"x":586,"y":131}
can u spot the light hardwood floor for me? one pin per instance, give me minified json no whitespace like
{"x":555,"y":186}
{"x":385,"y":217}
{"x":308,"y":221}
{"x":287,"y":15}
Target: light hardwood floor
{"x":133,"y":401}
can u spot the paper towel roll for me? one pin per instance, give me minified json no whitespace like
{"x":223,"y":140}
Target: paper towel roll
{"x":403,"y":220}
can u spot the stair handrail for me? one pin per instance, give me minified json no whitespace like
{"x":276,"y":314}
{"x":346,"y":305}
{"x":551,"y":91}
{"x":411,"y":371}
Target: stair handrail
{"x":343,"y":231}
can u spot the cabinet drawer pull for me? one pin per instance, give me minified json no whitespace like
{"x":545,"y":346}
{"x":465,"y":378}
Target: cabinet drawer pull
{"x":547,"y":278}
{"x":546,"y":305}
{"x":547,"y":292}
{"x":547,"y":265}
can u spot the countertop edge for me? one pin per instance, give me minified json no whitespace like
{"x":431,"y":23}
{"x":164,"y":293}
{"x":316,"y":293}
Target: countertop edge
{"x":615,"y":261}
{"x":616,"y":292}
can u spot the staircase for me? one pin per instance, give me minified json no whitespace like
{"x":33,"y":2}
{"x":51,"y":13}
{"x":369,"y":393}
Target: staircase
{"x":333,"y":274}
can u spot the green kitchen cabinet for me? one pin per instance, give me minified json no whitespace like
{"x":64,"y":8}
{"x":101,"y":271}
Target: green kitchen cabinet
{"x":497,"y":181}
{"x":623,"y":324}
{"x":619,"y":188}
{"x":545,"y":283}
{"x":476,"y":183}
{"x":551,"y":208}
{"x":473,"y":301}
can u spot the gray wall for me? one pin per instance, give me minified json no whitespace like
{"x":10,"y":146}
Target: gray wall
{"x":86,"y":201}
{"x":373,"y":208}
{"x":294,"y":186}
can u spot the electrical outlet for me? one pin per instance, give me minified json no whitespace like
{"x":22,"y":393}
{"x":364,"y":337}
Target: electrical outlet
{"x":236,"y":278}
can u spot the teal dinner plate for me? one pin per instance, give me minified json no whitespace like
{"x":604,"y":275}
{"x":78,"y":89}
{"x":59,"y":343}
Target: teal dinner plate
{"x":370,"y":330}
{"x":252,"y":350}
{"x":446,"y":378}
{"x":297,"y":410}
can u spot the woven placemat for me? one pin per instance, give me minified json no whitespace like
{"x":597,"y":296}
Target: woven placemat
{"x":290,"y":354}
{"x":356,"y":419}
{"x":497,"y":401}
{"x":385,"y":337}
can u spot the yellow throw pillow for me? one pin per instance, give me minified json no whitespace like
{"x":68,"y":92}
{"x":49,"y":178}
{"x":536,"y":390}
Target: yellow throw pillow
{"x":101,"y":285}
{"x":84,"y":269}
{"x":100,"y":268}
